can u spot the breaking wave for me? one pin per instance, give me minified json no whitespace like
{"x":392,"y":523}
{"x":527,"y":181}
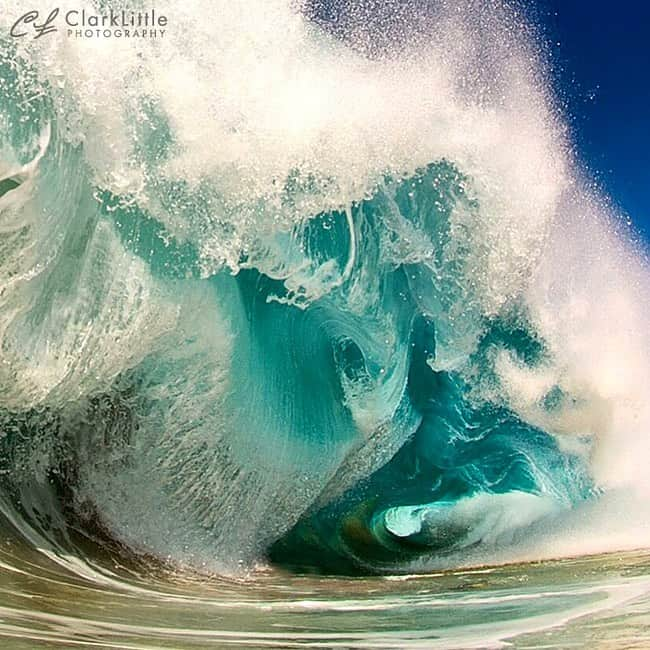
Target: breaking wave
{"x":315,"y":290}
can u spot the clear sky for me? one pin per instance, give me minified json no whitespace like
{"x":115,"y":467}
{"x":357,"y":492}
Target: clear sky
{"x":602,"y":66}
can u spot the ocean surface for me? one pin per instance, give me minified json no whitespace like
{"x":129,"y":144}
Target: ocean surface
{"x":313,"y":333}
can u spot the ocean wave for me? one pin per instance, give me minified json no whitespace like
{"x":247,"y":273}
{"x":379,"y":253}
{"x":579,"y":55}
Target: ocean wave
{"x":269,"y":293}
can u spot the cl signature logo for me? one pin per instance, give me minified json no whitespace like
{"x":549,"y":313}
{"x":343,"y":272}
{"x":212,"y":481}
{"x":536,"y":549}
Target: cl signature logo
{"x":39,"y":29}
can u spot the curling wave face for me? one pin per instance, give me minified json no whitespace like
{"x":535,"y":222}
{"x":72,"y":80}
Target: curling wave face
{"x":266,"y":292}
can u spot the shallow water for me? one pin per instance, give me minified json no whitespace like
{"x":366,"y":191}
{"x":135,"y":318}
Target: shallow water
{"x":51,"y":601}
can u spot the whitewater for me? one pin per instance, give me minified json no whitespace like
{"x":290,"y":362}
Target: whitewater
{"x":289,"y":290}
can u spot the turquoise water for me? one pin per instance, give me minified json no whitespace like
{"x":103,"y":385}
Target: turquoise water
{"x":297,"y":331}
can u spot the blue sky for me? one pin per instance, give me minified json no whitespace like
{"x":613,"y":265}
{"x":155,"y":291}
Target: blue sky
{"x":602,"y":67}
